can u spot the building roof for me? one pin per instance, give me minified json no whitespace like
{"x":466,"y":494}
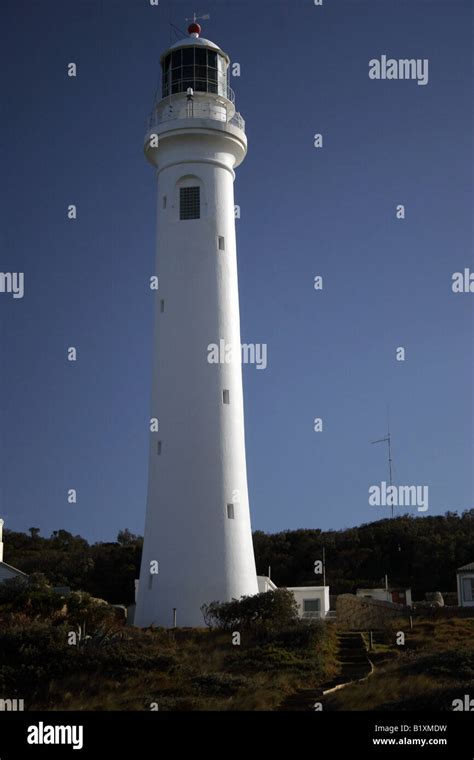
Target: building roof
{"x":469,"y":566}
{"x":382,"y":588}
{"x":10,"y":567}
{"x":268,"y":581}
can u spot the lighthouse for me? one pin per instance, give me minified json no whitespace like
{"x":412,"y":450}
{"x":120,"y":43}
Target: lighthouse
{"x":198,"y":541}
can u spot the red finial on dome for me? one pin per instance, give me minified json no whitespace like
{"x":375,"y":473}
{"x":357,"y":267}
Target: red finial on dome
{"x":194,"y":29}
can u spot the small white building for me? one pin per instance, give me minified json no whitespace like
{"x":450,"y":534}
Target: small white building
{"x":395,"y":595}
{"x":7,"y":571}
{"x":465,"y":584}
{"x":312,"y":601}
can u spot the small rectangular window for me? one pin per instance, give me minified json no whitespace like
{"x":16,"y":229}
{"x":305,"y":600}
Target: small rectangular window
{"x":226,"y":397}
{"x":162,"y":306}
{"x":311,"y":605}
{"x":221,"y":243}
{"x":150,"y":581}
{"x":190,"y":203}
{"x":158,"y":447}
{"x":230,"y":511}
{"x":164,"y":201}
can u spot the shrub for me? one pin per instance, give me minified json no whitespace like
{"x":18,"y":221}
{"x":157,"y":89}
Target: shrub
{"x":30,"y":657}
{"x":262,"y":614}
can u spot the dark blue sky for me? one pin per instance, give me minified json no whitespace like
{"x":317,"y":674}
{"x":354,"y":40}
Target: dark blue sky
{"x":331,"y":354}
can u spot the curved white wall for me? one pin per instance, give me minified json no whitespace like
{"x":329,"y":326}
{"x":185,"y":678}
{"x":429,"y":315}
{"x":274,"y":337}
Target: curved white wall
{"x":202,"y":554}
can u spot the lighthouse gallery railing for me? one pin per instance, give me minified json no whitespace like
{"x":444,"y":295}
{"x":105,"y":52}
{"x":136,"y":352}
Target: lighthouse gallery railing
{"x":218,"y":111}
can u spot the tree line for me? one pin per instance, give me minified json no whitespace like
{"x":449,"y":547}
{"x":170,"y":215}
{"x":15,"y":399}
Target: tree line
{"x":420,"y":552}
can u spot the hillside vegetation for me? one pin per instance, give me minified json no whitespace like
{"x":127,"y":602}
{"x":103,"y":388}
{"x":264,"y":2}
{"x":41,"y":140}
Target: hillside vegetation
{"x":69,"y":653}
{"x":421,"y":552}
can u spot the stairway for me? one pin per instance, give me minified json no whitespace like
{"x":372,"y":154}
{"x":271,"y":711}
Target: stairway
{"x":355,"y":665}
{"x":353,"y":658}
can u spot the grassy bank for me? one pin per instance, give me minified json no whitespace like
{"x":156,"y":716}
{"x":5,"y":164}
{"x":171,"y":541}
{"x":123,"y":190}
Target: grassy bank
{"x":433,"y":667}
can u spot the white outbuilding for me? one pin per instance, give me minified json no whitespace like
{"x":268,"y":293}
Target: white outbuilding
{"x":394,"y":595}
{"x":7,"y":571}
{"x":312,"y":601}
{"x":465,"y":584}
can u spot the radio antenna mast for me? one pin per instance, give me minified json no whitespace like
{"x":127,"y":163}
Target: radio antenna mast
{"x":388,"y":440}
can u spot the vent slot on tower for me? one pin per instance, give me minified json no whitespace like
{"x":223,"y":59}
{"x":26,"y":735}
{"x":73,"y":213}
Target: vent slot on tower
{"x":230,"y":512}
{"x":190,"y":203}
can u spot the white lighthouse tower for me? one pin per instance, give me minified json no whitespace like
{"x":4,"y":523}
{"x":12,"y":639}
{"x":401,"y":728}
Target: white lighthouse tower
{"x":198,"y":541}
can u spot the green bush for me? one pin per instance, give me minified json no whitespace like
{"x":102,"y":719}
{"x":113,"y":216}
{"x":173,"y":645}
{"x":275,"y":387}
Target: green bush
{"x":261,"y":614}
{"x":31,"y":657}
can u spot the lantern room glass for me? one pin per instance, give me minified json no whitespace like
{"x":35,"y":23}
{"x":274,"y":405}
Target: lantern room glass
{"x":202,"y":69}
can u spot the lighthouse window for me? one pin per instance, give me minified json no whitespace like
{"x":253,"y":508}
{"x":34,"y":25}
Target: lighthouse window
{"x":188,"y":57}
{"x":189,"y":203}
{"x":158,"y":447}
{"x":221,"y":243}
{"x":162,"y":306}
{"x":226,"y":397}
{"x":201,"y":57}
{"x":230,"y":511}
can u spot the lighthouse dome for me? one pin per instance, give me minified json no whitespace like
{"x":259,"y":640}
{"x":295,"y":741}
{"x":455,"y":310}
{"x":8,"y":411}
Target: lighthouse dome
{"x":197,"y":41}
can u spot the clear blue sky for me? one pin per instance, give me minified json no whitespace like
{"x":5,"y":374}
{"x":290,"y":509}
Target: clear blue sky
{"x":331,"y":354}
